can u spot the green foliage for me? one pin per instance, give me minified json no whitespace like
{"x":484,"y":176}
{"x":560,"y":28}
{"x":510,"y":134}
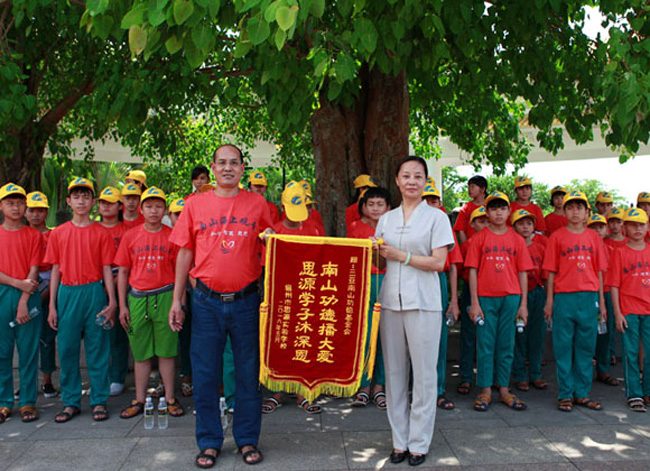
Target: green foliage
{"x":592,"y":187}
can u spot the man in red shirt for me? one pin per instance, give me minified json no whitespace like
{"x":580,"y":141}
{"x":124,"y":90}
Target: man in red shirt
{"x":217,"y":233}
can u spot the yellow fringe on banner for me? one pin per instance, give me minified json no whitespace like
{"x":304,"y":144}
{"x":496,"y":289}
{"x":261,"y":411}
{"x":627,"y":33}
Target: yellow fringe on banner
{"x":264,"y":319}
{"x":371,"y":354}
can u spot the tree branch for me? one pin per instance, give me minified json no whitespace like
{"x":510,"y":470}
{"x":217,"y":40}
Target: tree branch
{"x":49,"y":121}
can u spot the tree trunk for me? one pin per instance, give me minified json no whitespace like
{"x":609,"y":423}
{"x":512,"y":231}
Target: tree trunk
{"x":24,"y":166}
{"x":369,"y":137}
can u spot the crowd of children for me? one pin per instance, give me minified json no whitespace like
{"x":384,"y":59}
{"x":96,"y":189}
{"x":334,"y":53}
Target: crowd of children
{"x":110,"y":283}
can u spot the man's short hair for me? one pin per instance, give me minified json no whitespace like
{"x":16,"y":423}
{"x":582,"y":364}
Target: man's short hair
{"x":82,"y":191}
{"x":497,"y":203}
{"x":241,"y":154}
{"x":200,"y":170}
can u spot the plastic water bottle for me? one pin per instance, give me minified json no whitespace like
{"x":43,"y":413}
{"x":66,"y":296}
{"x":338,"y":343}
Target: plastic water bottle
{"x":602,"y":326}
{"x":100,"y":321}
{"x":33,"y":312}
{"x":520,"y":325}
{"x":449,"y":319}
{"x":163,"y":417}
{"x":223,"y":410}
{"x":479,"y":320}
{"x":148,"y":413}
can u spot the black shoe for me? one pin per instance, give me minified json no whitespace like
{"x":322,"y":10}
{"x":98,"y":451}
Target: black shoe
{"x":398,"y":457}
{"x":416,"y":460}
{"x":49,"y":391}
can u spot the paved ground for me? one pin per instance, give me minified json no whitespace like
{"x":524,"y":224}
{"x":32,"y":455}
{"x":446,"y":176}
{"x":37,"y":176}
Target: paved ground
{"x":341,"y":438}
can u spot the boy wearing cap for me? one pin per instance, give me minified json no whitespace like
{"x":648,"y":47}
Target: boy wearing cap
{"x":138,"y":178}
{"x":524,"y":192}
{"x":616,"y":238}
{"x":110,"y":204}
{"x":529,"y":344}
{"x":21,"y":252}
{"x":361,"y":184}
{"x":131,"y":217}
{"x":575,"y":261}
{"x":314,"y":217}
{"x":604,"y":203}
{"x":257,"y":183}
{"x":629,"y":278}
{"x":598,"y":223}
{"x":556,"y":219}
{"x":478,"y":221}
{"x":448,"y":290}
{"x":643,"y":202}
{"x":82,"y":290}
{"x":146,"y":261}
{"x":498,"y":261}
{"x":477,"y":190}
{"x":36,"y":215}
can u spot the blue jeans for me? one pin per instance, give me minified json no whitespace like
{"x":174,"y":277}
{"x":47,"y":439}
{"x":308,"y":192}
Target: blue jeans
{"x":212,"y":321}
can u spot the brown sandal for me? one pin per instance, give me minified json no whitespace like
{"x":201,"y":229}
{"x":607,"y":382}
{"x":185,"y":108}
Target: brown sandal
{"x":66,"y":414}
{"x":28,"y":413}
{"x":136,"y":408}
{"x":5,"y":413}
{"x":588,"y":403}
{"x":565,"y":405}
{"x":175,"y":408}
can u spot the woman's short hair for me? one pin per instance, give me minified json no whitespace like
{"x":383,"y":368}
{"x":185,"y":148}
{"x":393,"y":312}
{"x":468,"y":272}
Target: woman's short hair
{"x":412,"y":158}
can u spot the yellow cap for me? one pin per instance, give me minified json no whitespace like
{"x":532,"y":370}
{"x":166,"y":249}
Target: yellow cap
{"x":131,"y":189}
{"x":431,"y":181}
{"x":307,"y":187}
{"x":363,"y":192}
{"x":615,"y":213}
{"x":208,"y":186}
{"x":110,"y":194}
{"x":521,"y":214}
{"x":257,"y":178}
{"x":497,"y":195}
{"x":604,"y":197}
{"x":522,"y":181}
{"x":575,"y":195}
{"x":177,"y":205}
{"x":363,"y":180}
{"x":36,"y":199}
{"x":430,"y":190}
{"x":477,"y":213}
{"x":80,"y":182}
{"x":636,"y":215}
{"x":596,"y":219}
{"x":11,"y":189}
{"x":643,"y":197}
{"x":153,"y":192}
{"x":295,"y":204}
{"x":137,"y":175}
{"x":558,"y":189}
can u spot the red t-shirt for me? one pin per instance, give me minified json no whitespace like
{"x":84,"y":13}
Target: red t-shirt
{"x":116,"y":232}
{"x":351,"y":215}
{"x":360,"y":230}
{"x":536,"y":250}
{"x":615,"y":244}
{"x":464,"y":271}
{"x":453,"y":256}
{"x":81,"y":252}
{"x":532,"y":208}
{"x":274,"y":212}
{"x":223,"y":233}
{"x":576,"y":260}
{"x":135,"y":223}
{"x":499,"y":258}
{"x":46,"y":237}
{"x":19,"y":251}
{"x":149,"y":256}
{"x":630,"y":272}
{"x":316,"y":219}
{"x":462,"y":221}
{"x":554,"y":222}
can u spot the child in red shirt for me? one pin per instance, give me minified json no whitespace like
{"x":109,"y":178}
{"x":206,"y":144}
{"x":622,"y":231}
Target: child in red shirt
{"x":616,"y":238}
{"x":524,"y":191}
{"x":498,"y":261}
{"x":477,"y":189}
{"x":556,"y":220}
{"x":575,"y":261}
{"x":21,"y":252}
{"x":131,"y":216}
{"x":629,"y":277}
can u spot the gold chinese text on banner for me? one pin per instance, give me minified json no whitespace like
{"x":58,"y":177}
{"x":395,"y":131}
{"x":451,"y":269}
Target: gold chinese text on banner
{"x":314,"y":319}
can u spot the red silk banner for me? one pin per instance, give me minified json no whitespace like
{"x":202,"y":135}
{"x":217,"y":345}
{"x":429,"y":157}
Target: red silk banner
{"x":314,"y":322}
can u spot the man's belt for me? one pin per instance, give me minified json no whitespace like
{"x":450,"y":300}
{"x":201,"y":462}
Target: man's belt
{"x":227,"y":297}
{"x":137,"y":293}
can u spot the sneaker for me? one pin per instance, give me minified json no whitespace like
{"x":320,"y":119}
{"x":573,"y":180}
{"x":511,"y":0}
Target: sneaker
{"x":158,"y":391}
{"x":17,"y":394}
{"x":116,"y":389}
{"x":49,"y":391}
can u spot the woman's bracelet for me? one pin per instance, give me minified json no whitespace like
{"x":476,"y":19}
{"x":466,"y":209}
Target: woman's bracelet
{"x":408,"y":258}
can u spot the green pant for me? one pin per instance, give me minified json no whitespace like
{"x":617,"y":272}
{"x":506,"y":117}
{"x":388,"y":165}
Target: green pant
{"x":119,"y":359}
{"x":603,"y":341}
{"x":378,"y":374}
{"x":495,"y":340}
{"x":638,"y":330}
{"x":77,"y":311}
{"x":529,"y":344}
{"x":25,"y":339}
{"x":575,"y":325}
{"x":47,"y":343}
{"x":467,"y":339}
{"x":228,"y":376}
{"x":442,"y":349}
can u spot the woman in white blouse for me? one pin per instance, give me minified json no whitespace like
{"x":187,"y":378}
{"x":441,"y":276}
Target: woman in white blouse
{"x":416,"y":238}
